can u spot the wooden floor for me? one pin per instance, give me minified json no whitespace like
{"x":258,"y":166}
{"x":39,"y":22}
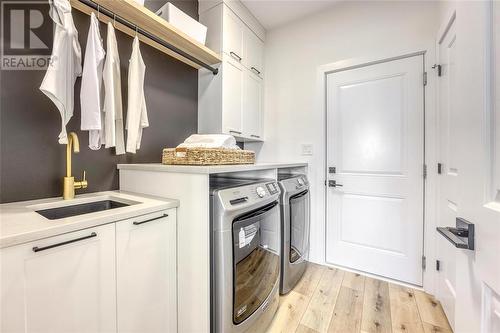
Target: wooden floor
{"x":333,"y":300}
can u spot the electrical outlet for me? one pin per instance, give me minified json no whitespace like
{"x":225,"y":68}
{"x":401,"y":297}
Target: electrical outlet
{"x":307,"y":149}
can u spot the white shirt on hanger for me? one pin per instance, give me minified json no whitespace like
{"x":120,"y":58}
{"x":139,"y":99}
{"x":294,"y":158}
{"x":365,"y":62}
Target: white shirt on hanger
{"x":113,"y":110}
{"x":90,"y":94}
{"x":65,"y":64}
{"x":137,"y":116}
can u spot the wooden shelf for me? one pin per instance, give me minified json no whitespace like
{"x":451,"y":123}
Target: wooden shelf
{"x":148,"y":21}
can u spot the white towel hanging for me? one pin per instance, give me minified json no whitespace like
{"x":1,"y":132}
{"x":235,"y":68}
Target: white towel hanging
{"x":90,"y":94}
{"x":65,"y":65}
{"x":113,"y":110}
{"x":137,"y":117}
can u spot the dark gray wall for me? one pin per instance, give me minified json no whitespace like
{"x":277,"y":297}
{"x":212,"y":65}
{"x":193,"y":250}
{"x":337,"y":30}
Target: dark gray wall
{"x":33,"y":163}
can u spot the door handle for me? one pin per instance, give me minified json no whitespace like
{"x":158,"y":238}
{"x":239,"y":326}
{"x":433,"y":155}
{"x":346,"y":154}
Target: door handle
{"x":43,"y":248}
{"x":150,"y":220}
{"x":234,"y":55}
{"x":255,"y":70}
{"x":333,"y":183}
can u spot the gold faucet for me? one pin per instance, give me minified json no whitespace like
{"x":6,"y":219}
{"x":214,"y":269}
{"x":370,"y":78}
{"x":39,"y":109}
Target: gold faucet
{"x":69,"y":184}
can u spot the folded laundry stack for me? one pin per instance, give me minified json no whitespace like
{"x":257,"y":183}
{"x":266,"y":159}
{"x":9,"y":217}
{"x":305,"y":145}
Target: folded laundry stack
{"x":210,"y":141}
{"x":208,"y":149}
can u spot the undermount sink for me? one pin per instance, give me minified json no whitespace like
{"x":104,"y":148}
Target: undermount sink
{"x":80,"y":209}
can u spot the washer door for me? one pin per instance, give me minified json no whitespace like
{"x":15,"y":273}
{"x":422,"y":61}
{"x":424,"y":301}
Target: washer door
{"x":299,"y":225}
{"x":255,"y":259}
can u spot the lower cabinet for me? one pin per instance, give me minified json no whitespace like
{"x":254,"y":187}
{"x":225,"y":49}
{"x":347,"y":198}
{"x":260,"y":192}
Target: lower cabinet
{"x":146,"y":280}
{"x":119,"y":277}
{"x":46,"y":287}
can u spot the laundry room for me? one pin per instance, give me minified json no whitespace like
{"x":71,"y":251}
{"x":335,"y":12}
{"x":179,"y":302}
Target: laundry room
{"x":250,"y":166}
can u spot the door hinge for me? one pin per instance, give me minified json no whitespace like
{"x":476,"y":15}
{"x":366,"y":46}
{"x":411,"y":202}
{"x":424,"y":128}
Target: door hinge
{"x":425,"y":78}
{"x":425,"y":171}
{"x":438,"y":265}
{"x":440,"y":168}
{"x":424,"y":262}
{"x":439,"y":69}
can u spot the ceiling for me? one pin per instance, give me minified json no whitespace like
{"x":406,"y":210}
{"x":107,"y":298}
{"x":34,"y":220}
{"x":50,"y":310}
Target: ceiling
{"x":275,"y":13}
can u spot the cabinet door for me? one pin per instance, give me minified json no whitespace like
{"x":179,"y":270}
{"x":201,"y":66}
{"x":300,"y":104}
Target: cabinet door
{"x":60,"y":284}
{"x":252,"y":106}
{"x":233,"y":34}
{"x":146,"y":273}
{"x":254,"y":53}
{"x":232,"y":82}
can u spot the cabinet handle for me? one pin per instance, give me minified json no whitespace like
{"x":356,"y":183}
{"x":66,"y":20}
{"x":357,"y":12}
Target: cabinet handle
{"x":235,"y":55}
{"x":255,"y":136}
{"x":38,"y":249}
{"x":150,"y":220}
{"x":255,"y":70}
{"x":236,"y":132}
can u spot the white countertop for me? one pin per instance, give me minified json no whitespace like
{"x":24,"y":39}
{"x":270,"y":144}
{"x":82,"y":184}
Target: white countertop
{"x":208,"y":169}
{"x":19,"y":223}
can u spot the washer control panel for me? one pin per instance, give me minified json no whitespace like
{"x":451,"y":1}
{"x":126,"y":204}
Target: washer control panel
{"x":249,"y":194}
{"x":272,"y":188}
{"x":261,"y":192}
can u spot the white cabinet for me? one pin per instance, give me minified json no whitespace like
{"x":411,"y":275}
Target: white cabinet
{"x":254,"y":53}
{"x":232,"y":96}
{"x":252,"y":105}
{"x":60,"y":284}
{"x":233,"y":34}
{"x":146,"y":273}
{"x":118,"y":277}
{"x":232,"y":101}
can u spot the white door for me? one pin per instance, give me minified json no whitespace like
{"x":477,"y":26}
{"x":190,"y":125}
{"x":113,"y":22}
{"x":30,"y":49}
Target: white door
{"x":252,"y":106}
{"x":254,"y":53}
{"x":448,"y":178}
{"x":471,"y":177}
{"x":232,"y":96}
{"x":233,"y":34}
{"x":375,"y":137}
{"x":146,"y":273}
{"x":60,"y":284}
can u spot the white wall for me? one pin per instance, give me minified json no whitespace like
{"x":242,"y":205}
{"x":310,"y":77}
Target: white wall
{"x":293,"y":115}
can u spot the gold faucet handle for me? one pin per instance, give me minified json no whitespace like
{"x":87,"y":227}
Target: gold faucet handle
{"x":84,"y":180}
{"x":83,"y":183}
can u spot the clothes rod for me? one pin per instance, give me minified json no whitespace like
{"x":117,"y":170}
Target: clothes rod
{"x":119,"y":19}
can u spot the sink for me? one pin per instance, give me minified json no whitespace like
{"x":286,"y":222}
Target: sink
{"x":80,"y":209}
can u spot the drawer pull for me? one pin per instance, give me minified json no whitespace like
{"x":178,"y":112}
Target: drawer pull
{"x":38,"y":249}
{"x":255,"y":70}
{"x":235,"y":55}
{"x":150,"y":220}
{"x":255,"y":136}
{"x":236,"y":132}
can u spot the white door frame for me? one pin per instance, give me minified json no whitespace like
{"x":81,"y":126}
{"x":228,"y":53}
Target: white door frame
{"x":430,"y":146}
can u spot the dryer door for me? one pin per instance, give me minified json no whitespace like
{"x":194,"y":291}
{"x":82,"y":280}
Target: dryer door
{"x":255,"y":259}
{"x":299,"y":226}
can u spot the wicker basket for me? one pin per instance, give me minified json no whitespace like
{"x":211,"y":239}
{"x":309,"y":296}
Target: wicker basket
{"x":207,"y":156}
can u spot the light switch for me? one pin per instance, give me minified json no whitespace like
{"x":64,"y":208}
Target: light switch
{"x":307,"y":149}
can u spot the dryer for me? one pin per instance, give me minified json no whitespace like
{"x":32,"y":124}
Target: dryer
{"x":295,"y":224}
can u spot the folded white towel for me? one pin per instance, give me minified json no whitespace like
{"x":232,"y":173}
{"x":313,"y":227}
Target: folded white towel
{"x":210,"y":141}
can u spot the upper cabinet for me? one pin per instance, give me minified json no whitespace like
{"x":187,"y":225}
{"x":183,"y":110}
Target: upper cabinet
{"x":233,"y":35}
{"x":232,"y":102}
{"x":254,"y":53}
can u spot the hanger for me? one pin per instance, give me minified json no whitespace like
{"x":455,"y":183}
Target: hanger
{"x":98,"y":11}
{"x":114,"y":20}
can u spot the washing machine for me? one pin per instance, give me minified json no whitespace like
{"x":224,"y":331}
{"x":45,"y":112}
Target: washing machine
{"x":245,"y":245}
{"x":295,"y":224}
